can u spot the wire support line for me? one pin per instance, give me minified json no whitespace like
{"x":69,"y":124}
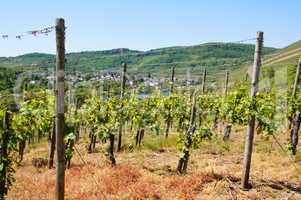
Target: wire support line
{"x":44,"y":31}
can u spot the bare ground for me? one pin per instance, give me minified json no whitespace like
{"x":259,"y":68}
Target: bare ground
{"x":214,"y":173}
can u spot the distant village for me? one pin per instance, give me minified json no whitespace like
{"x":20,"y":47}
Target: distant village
{"x":149,"y":80}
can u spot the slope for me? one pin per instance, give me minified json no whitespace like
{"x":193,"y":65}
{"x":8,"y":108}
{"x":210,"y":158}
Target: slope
{"x":213,"y":56}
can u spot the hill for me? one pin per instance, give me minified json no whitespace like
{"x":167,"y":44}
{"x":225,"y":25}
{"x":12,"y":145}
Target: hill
{"x":213,"y":56}
{"x":282,"y":63}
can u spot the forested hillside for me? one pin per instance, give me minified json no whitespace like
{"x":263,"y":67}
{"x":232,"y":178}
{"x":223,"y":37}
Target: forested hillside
{"x":214,"y":56}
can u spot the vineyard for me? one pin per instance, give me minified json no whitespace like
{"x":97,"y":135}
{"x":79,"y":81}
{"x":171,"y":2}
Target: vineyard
{"x":107,"y":140}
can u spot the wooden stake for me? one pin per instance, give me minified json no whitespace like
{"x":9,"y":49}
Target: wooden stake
{"x":52,"y":147}
{"x":60,"y":86}
{"x":171,"y":90}
{"x":251,"y":124}
{"x":226,"y":84}
{"x":4,"y":154}
{"x":204,"y":81}
{"x":246,"y":77}
{"x":297,"y":76}
{"x":228,"y":127}
{"x":172,"y":79}
{"x":123,"y":81}
{"x":108,"y":89}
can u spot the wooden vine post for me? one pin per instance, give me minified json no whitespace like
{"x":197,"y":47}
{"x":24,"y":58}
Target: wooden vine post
{"x":4,"y":155}
{"x":204,"y":81}
{"x":172,"y":79}
{"x":171,"y":90}
{"x":226,"y":84}
{"x":296,"y":81}
{"x":228,"y":127}
{"x":59,"y":125}
{"x":123,"y":82}
{"x":51,"y":141}
{"x":295,"y":119}
{"x":251,"y":123}
{"x":108,"y":89}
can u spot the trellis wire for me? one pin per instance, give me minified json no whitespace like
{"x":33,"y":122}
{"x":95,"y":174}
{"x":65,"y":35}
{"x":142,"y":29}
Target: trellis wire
{"x":43,"y":31}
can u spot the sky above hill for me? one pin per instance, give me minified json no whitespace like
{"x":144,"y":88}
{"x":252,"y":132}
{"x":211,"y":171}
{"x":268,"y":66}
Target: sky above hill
{"x":146,"y":24}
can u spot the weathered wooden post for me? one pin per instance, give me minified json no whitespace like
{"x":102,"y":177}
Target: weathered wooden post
{"x":161,"y":86}
{"x":204,"y":81}
{"x":123,"y":82}
{"x":203,"y":91}
{"x":51,"y":142}
{"x":246,"y":77}
{"x":108,"y":89}
{"x":59,"y":126}
{"x":228,"y":127}
{"x":4,"y":154}
{"x":251,"y":124}
{"x":295,"y":118}
{"x":296,"y":81}
{"x":52,"y":136}
{"x":171,"y":90}
{"x":226,"y":84}
{"x":172,"y":79}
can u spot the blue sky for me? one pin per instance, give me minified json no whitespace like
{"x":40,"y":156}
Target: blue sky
{"x":147,"y":24}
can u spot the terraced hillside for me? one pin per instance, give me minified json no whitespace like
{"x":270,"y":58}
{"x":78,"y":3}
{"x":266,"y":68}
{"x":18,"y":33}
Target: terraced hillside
{"x":282,"y":63}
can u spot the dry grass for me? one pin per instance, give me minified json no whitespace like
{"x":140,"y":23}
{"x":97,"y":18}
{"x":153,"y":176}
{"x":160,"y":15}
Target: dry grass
{"x":214,"y":173}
